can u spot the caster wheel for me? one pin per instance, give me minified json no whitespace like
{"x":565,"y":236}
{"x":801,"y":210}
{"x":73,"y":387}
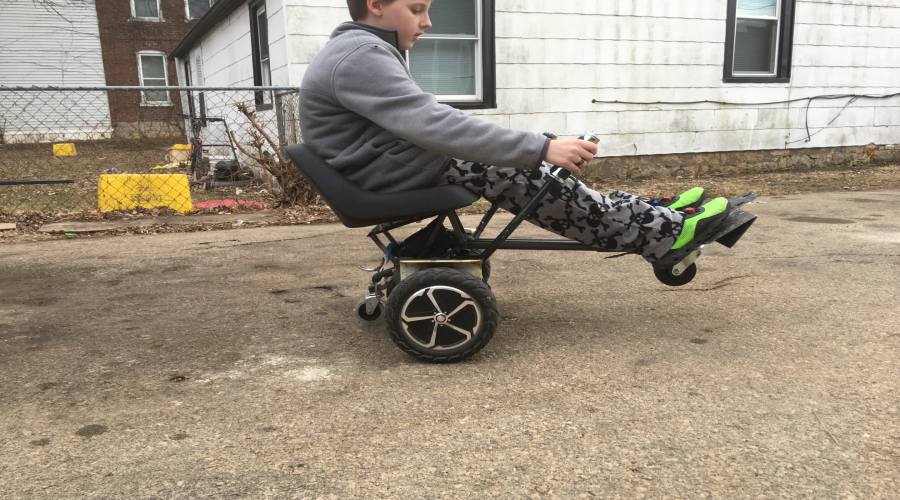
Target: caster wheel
{"x":362,"y":314}
{"x":666,"y":276}
{"x":442,"y":315}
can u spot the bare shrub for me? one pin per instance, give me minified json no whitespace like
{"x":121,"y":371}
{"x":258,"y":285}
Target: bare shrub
{"x":294,"y":188}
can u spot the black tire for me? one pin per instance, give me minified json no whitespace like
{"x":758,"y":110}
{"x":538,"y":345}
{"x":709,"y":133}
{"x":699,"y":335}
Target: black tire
{"x":362,"y":314}
{"x":666,"y":276}
{"x":486,"y":270}
{"x":438,"y":338}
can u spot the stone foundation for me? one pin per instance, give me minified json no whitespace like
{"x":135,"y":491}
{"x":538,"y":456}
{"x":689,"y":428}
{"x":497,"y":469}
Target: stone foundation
{"x":739,"y":162}
{"x":147,"y":130}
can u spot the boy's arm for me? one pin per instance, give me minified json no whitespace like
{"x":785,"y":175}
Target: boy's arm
{"x":373,"y":83}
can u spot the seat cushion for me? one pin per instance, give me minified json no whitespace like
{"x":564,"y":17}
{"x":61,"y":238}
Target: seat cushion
{"x":356,"y":207}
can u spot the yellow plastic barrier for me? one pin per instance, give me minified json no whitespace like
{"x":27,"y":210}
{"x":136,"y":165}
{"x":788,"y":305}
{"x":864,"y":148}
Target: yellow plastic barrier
{"x":67,"y":149}
{"x":127,"y":191}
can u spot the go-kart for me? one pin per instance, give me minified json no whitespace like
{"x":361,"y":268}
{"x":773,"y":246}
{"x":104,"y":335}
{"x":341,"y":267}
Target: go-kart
{"x":431,"y":288}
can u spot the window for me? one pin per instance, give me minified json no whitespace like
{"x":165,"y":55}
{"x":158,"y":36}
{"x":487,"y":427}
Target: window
{"x":454,"y":59}
{"x":146,"y":9}
{"x":759,"y":41}
{"x":196,"y":8}
{"x":199,"y":65}
{"x":152,"y":72}
{"x":262,"y":74}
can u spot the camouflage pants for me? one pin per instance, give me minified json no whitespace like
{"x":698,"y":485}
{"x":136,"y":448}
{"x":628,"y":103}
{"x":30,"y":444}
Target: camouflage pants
{"x":618,"y":221}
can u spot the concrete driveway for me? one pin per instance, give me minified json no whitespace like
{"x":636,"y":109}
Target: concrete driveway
{"x":228,"y":365}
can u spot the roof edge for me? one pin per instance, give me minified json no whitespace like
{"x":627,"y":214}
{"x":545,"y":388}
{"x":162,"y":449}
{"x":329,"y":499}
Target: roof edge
{"x":219,"y":11}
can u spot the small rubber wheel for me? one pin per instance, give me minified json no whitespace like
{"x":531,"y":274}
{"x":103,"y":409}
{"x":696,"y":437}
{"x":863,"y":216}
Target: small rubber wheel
{"x":666,"y":276}
{"x":486,"y":270}
{"x":442,"y":315}
{"x":362,"y":313}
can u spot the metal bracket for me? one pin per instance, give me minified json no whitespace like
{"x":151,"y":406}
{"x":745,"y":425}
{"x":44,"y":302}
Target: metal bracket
{"x":372,"y":301}
{"x":366,"y":269}
{"x":686,"y":263}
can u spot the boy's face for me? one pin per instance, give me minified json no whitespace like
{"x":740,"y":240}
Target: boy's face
{"x":408,"y":17}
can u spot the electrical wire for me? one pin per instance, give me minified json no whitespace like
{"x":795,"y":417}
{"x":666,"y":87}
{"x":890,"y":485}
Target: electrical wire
{"x":851,"y":99}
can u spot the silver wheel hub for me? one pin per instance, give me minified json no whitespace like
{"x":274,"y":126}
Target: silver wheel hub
{"x":425,"y":321}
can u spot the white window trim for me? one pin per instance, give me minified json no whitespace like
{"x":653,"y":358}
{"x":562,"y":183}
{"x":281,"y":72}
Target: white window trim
{"x":187,"y":10}
{"x":144,"y":102}
{"x":155,"y":19}
{"x":778,"y":28}
{"x":479,"y":64}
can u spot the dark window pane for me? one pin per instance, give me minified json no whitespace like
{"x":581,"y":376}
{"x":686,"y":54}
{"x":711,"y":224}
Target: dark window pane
{"x":197,"y":8}
{"x":263,"y":34}
{"x":153,"y":67}
{"x":754,"y":46}
{"x":453,"y":17}
{"x":156,"y":96}
{"x":145,"y":8}
{"x":444,"y":67}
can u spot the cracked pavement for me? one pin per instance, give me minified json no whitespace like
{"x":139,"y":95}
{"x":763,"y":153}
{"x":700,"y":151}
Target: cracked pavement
{"x":228,"y":364}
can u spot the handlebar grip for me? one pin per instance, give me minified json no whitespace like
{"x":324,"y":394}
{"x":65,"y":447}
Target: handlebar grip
{"x":587,"y":136}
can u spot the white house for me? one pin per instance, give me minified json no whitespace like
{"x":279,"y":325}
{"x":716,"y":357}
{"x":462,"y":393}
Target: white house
{"x":51,"y":43}
{"x":541,"y":64}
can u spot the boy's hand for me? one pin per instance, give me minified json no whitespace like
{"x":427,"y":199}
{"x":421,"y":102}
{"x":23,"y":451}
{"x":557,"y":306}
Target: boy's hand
{"x":568,"y":154}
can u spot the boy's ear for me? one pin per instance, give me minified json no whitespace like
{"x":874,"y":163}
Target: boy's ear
{"x":374,"y":7}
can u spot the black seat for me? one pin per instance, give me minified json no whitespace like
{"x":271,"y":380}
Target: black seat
{"x":356,"y":207}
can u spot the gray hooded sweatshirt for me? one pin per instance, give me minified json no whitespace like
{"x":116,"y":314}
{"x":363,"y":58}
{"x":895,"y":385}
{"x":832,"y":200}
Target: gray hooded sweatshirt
{"x":361,"y":111}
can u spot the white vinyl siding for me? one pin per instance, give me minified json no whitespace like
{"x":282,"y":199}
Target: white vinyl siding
{"x":224,"y":56}
{"x":44,"y":47}
{"x":555,"y":57}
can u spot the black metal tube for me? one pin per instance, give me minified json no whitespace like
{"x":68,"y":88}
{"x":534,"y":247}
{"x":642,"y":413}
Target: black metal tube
{"x":458,"y":228}
{"x":20,"y":182}
{"x":533,"y":245}
{"x":437,"y":229}
{"x":487,"y":218}
{"x":513,"y":224}
{"x":378,"y":242}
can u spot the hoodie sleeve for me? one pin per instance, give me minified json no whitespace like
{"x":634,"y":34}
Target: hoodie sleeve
{"x":373,"y":83}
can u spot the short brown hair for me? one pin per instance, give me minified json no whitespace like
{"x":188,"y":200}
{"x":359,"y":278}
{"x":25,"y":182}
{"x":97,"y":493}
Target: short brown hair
{"x":359,"y":8}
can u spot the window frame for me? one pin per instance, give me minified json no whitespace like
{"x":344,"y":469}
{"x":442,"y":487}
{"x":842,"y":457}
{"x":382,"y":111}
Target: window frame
{"x":485,"y":61}
{"x":262,"y":103}
{"x":158,"y":18}
{"x":783,"y":49}
{"x":144,"y":101}
{"x":187,"y":10}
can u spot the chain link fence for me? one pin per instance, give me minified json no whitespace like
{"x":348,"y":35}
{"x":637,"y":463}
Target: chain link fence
{"x":116,"y":148}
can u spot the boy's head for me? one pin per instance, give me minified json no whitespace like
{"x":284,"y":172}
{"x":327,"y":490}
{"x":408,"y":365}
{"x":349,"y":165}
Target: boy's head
{"x":408,"y":17}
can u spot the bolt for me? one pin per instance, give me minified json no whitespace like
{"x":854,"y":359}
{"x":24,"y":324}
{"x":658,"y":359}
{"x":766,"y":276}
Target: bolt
{"x":676,"y":272}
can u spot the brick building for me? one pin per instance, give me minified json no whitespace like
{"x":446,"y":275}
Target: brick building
{"x":135,"y":38}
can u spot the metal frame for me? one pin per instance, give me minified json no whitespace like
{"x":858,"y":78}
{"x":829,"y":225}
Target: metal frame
{"x":488,"y":246}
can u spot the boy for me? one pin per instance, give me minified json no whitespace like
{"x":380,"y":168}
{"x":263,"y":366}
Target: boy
{"x":363,"y":114}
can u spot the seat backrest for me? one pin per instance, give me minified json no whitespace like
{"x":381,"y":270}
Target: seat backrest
{"x":356,"y":207}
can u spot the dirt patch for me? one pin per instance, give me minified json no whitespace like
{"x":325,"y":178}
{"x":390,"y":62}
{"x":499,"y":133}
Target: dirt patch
{"x":766,"y":184}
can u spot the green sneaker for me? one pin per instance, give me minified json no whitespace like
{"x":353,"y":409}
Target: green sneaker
{"x":692,"y":198}
{"x":702,"y":223}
